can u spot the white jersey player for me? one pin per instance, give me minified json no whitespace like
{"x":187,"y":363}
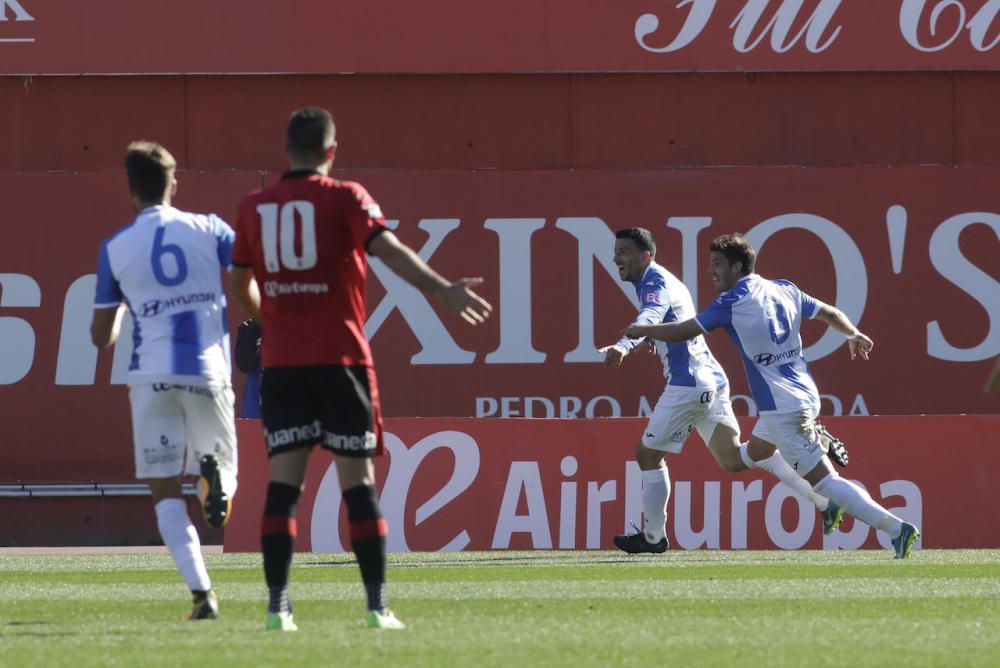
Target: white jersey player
{"x":763,"y":318}
{"x":696,"y":397}
{"x":165,"y":267}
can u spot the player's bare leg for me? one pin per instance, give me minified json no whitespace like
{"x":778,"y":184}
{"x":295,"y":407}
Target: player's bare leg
{"x":278,"y":531}
{"x":181,"y":538}
{"x":655,"y":494}
{"x":368,"y":531}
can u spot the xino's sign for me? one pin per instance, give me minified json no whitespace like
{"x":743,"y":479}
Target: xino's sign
{"x":16,"y":23}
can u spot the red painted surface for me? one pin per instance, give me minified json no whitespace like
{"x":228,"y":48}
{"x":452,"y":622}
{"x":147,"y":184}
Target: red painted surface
{"x":521,"y":120}
{"x":247,"y":36}
{"x":467,"y":483}
{"x":503,"y":122}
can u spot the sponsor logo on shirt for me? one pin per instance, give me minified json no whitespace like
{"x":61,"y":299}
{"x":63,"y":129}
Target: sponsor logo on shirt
{"x":155,"y":307}
{"x":276,"y":288}
{"x":651,"y":298}
{"x":767,"y":359}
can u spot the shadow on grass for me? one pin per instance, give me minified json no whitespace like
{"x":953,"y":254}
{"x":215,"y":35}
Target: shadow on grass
{"x":27,"y":623}
{"x":16,"y":631}
{"x":500,"y":559}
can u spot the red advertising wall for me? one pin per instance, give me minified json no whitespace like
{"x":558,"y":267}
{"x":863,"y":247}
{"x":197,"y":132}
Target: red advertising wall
{"x":537,"y":356}
{"x":466,"y":484}
{"x":246,"y":36}
{"x":854,"y":142}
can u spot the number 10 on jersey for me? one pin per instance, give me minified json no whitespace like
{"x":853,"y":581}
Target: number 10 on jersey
{"x":277,"y":235}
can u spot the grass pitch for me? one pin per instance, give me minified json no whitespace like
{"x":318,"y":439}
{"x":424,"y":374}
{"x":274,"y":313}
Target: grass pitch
{"x":719,"y":608}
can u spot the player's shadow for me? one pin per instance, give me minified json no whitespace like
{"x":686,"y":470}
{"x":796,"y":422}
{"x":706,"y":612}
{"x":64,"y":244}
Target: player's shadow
{"x":16,"y":631}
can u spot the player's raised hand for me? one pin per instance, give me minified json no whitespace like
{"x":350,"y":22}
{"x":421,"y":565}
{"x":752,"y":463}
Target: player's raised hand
{"x":860,"y":345}
{"x":613,"y":355}
{"x":462,"y":300}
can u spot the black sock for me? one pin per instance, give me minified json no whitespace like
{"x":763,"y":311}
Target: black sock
{"x":368,"y":531}
{"x":277,"y":540}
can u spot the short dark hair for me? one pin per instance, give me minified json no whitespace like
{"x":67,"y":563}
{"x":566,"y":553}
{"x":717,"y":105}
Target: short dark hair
{"x":640,"y":236}
{"x":736,"y":249}
{"x":310,"y":132}
{"x":150,"y":169}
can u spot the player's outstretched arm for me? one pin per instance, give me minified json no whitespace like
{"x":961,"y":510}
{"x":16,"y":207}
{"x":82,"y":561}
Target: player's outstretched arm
{"x":671,"y":332}
{"x":859,"y":343}
{"x":106,"y":325}
{"x":243,"y":286}
{"x":457,"y":296}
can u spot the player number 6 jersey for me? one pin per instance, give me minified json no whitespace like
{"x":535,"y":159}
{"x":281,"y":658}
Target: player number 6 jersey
{"x":166,"y":266}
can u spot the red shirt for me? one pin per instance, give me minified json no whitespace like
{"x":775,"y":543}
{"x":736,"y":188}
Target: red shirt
{"x":305,"y":238}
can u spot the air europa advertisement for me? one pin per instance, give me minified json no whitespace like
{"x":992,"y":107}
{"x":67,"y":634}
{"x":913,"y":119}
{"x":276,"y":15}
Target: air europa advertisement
{"x":555,"y":484}
{"x":260,"y":36}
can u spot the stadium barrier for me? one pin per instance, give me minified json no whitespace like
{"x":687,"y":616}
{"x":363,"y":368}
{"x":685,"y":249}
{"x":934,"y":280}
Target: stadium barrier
{"x":84,"y":489}
{"x":480,"y":484}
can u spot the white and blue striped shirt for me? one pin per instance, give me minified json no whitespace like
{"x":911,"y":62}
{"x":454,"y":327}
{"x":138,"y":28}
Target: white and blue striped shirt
{"x":166,"y":266}
{"x":664,"y":298}
{"x":763,"y":317}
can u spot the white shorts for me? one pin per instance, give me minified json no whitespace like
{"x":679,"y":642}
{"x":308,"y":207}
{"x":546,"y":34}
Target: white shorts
{"x":680,"y":410}
{"x":794,"y":434}
{"x":174,"y":426}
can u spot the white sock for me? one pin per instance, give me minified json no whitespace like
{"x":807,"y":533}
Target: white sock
{"x":779,"y":468}
{"x":857,"y":502}
{"x":181,"y":539}
{"x":655,"y":494}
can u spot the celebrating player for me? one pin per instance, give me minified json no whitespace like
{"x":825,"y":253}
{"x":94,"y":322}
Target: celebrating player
{"x":303,"y":240}
{"x":166,"y":267}
{"x":763,"y":318}
{"x":696,"y":397}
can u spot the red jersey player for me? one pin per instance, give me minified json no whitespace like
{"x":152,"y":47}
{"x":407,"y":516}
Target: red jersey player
{"x":299,"y":268}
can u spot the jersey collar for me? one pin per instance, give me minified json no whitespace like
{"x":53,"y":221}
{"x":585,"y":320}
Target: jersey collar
{"x":300,"y":174}
{"x":642,"y":279}
{"x":150,"y":209}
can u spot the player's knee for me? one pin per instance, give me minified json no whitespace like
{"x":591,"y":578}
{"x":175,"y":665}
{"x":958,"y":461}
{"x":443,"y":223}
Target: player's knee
{"x":648,"y":458}
{"x":355,"y":472}
{"x":732,"y":464}
{"x":165,"y":488}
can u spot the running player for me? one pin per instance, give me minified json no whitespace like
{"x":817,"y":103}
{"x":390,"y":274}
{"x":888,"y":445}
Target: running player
{"x":763,"y":318}
{"x":303,"y":241}
{"x":696,"y":397}
{"x":165,"y":269}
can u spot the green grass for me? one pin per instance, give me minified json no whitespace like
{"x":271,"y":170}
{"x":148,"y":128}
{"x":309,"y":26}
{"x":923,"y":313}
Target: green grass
{"x":721,"y":608}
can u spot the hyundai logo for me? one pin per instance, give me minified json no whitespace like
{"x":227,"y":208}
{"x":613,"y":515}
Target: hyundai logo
{"x":765,"y":359}
{"x":151,"y":308}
